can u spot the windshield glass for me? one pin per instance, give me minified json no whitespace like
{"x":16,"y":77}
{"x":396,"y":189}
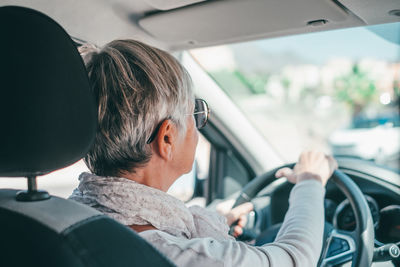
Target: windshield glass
{"x":337,"y":90}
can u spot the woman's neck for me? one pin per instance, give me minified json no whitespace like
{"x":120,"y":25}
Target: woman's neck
{"x":155,"y":174}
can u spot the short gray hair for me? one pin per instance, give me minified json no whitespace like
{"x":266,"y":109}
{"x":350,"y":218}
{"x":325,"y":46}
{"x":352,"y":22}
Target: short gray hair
{"x":136,"y":87}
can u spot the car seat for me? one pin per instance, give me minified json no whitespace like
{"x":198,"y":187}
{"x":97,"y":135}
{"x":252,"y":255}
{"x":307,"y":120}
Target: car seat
{"x":48,"y":121}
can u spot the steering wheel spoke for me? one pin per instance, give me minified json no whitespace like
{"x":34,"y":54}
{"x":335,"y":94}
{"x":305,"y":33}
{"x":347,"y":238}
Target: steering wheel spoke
{"x":339,"y":248}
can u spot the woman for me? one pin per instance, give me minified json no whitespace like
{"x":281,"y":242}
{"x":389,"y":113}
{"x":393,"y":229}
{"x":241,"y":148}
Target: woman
{"x":147,"y":138}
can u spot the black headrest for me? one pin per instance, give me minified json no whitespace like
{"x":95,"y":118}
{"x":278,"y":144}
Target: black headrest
{"x":47,"y":112}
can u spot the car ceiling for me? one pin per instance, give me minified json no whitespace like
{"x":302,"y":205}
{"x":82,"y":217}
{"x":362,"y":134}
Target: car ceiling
{"x":184,"y":24}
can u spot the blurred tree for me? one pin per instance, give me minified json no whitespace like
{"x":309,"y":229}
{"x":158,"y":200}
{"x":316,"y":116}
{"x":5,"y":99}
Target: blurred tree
{"x":285,"y":81}
{"x":230,"y":83}
{"x":396,"y":89}
{"x":238,"y":83}
{"x":254,"y":81}
{"x":356,"y":89}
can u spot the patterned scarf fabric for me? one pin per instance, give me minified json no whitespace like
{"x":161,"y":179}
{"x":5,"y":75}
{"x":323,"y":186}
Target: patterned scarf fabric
{"x":132,"y":203}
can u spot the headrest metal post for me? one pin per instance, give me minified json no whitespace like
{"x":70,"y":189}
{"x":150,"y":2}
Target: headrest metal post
{"x":32,"y":194}
{"x":32,"y":185}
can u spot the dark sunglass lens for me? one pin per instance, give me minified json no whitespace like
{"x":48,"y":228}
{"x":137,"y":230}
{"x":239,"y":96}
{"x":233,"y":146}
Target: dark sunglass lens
{"x":200,"y":121}
{"x":198,"y":105}
{"x":200,"y":113}
{"x":197,"y":120}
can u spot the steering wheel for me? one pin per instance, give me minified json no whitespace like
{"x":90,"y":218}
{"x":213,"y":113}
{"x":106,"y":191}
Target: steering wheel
{"x":339,"y":246}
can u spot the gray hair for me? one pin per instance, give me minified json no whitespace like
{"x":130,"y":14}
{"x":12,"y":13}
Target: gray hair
{"x":136,"y":87}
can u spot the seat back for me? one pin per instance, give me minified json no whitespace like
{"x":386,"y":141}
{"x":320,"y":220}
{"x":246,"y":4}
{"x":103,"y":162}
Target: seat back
{"x":63,"y":233}
{"x":48,"y":121}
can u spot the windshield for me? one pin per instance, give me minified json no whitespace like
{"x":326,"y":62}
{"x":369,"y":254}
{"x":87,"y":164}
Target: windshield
{"x":337,"y":91}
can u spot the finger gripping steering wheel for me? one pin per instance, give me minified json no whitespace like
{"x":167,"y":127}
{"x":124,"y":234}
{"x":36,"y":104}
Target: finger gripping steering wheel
{"x":339,"y":246}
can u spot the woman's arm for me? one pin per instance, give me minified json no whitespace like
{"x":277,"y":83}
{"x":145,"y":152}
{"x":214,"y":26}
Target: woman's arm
{"x":302,"y":229}
{"x":298,"y":243}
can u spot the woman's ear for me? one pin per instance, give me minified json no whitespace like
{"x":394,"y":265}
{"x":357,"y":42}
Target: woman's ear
{"x":165,"y":139}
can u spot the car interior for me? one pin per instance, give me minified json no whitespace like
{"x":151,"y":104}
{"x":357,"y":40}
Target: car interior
{"x":49,"y":118}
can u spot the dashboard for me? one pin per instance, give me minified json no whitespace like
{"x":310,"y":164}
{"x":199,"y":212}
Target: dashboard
{"x":386,"y":220}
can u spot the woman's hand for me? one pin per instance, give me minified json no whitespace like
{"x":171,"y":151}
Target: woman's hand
{"x":312,"y":165}
{"x":238,"y":214}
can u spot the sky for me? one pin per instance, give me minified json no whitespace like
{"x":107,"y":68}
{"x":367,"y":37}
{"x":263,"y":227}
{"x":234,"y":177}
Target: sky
{"x":355,"y":43}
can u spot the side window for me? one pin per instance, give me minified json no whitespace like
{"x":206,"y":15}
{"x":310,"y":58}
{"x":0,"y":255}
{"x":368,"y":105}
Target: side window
{"x":228,"y":174}
{"x":235,"y":175}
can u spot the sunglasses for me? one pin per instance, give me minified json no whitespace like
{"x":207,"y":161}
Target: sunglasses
{"x":201,"y":113}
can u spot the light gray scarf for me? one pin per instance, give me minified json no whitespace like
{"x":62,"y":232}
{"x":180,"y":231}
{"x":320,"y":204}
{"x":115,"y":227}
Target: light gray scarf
{"x":132,"y":203}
